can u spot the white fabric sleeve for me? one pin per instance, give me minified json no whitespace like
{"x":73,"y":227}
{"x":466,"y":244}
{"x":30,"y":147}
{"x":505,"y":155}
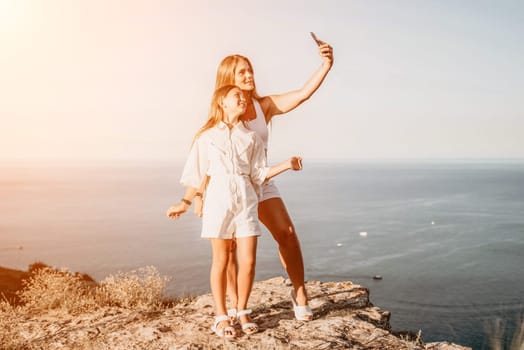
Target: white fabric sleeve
{"x":259,"y":168}
{"x":197,"y":164}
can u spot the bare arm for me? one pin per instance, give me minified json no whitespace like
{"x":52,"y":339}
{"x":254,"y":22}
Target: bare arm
{"x":199,"y":200}
{"x":293,"y":163}
{"x":279,"y":104}
{"x":176,"y":210}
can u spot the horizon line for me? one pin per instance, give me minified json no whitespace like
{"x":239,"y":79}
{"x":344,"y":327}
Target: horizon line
{"x":122,"y":161}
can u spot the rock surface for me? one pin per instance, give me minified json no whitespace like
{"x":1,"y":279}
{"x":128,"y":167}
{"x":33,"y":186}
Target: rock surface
{"x":344,"y":319}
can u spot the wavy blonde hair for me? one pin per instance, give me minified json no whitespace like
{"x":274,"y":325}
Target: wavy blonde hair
{"x":216,"y":113}
{"x":226,"y":72}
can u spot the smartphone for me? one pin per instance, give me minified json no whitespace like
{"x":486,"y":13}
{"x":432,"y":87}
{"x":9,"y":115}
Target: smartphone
{"x":315,"y":38}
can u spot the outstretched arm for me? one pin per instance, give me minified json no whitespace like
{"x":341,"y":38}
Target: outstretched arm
{"x":279,"y":104}
{"x":260,"y":172}
{"x":293,"y":163}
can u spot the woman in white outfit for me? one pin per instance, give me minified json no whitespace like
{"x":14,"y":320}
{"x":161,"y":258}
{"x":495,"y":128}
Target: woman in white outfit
{"x":234,"y":158}
{"x":272,"y":211}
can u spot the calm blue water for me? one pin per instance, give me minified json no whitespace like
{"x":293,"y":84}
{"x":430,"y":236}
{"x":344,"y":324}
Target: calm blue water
{"x":448,"y":238}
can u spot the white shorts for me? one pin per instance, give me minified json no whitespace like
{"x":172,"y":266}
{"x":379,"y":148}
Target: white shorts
{"x":230,"y":208}
{"x":269,"y":190}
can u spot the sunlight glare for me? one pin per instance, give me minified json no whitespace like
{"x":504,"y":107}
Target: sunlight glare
{"x":11,"y":14}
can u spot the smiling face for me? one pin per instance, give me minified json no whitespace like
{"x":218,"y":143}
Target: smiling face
{"x":244,"y":78}
{"x":233,"y":104}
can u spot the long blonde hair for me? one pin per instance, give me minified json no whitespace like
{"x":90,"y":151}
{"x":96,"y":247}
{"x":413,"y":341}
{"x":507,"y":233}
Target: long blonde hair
{"x":216,"y":113}
{"x":226,"y":72}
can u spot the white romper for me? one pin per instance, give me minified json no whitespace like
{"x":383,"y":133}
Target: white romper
{"x":260,"y":127}
{"x":236,"y":163}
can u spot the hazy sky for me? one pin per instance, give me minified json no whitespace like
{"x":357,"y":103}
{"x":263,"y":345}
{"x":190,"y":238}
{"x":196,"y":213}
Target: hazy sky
{"x":107,"y":79}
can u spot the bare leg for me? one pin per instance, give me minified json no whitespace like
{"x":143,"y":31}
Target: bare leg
{"x":273,"y":214}
{"x":232,"y":271}
{"x":217,"y":279}
{"x":246,"y":253}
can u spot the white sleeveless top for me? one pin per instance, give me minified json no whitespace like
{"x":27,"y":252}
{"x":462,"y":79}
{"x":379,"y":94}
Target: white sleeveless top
{"x":259,"y":125}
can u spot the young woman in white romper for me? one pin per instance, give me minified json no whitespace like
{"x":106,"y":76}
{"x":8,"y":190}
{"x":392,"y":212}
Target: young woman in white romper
{"x":272,"y":211}
{"x":234,"y":159}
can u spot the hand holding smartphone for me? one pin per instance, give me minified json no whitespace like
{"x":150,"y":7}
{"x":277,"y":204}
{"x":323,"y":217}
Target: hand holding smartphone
{"x":317,"y":40}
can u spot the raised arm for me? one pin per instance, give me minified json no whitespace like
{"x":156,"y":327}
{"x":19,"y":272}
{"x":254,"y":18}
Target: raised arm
{"x":279,"y":104}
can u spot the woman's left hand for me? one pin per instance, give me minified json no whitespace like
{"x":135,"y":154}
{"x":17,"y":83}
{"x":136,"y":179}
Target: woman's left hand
{"x":326,"y":52}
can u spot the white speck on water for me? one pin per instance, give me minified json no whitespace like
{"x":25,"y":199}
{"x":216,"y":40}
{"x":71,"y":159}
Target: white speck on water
{"x":432,"y":222}
{"x":363,"y":234}
{"x":339,"y":244}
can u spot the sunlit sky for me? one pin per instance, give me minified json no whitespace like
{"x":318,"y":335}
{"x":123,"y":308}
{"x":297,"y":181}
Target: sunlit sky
{"x":132,"y":80}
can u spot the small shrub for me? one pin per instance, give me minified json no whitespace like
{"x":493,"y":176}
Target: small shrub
{"x":52,"y":289}
{"x":36,"y":266}
{"x":496,"y":330}
{"x":141,"y":289}
{"x":411,"y":341}
{"x":517,"y":343}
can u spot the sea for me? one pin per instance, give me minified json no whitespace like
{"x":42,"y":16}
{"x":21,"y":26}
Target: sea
{"x":446,"y":236}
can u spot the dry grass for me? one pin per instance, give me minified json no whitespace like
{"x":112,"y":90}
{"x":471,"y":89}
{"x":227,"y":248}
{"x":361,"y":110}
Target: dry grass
{"x":67,"y":293}
{"x":412,"y":341}
{"x":51,"y":289}
{"x":141,"y":289}
{"x":10,"y":339}
{"x":496,"y":333}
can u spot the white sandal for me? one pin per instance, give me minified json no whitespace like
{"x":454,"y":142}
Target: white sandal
{"x":221,"y":332}
{"x":232,"y":314}
{"x":302,"y":312}
{"x":248,"y":327}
